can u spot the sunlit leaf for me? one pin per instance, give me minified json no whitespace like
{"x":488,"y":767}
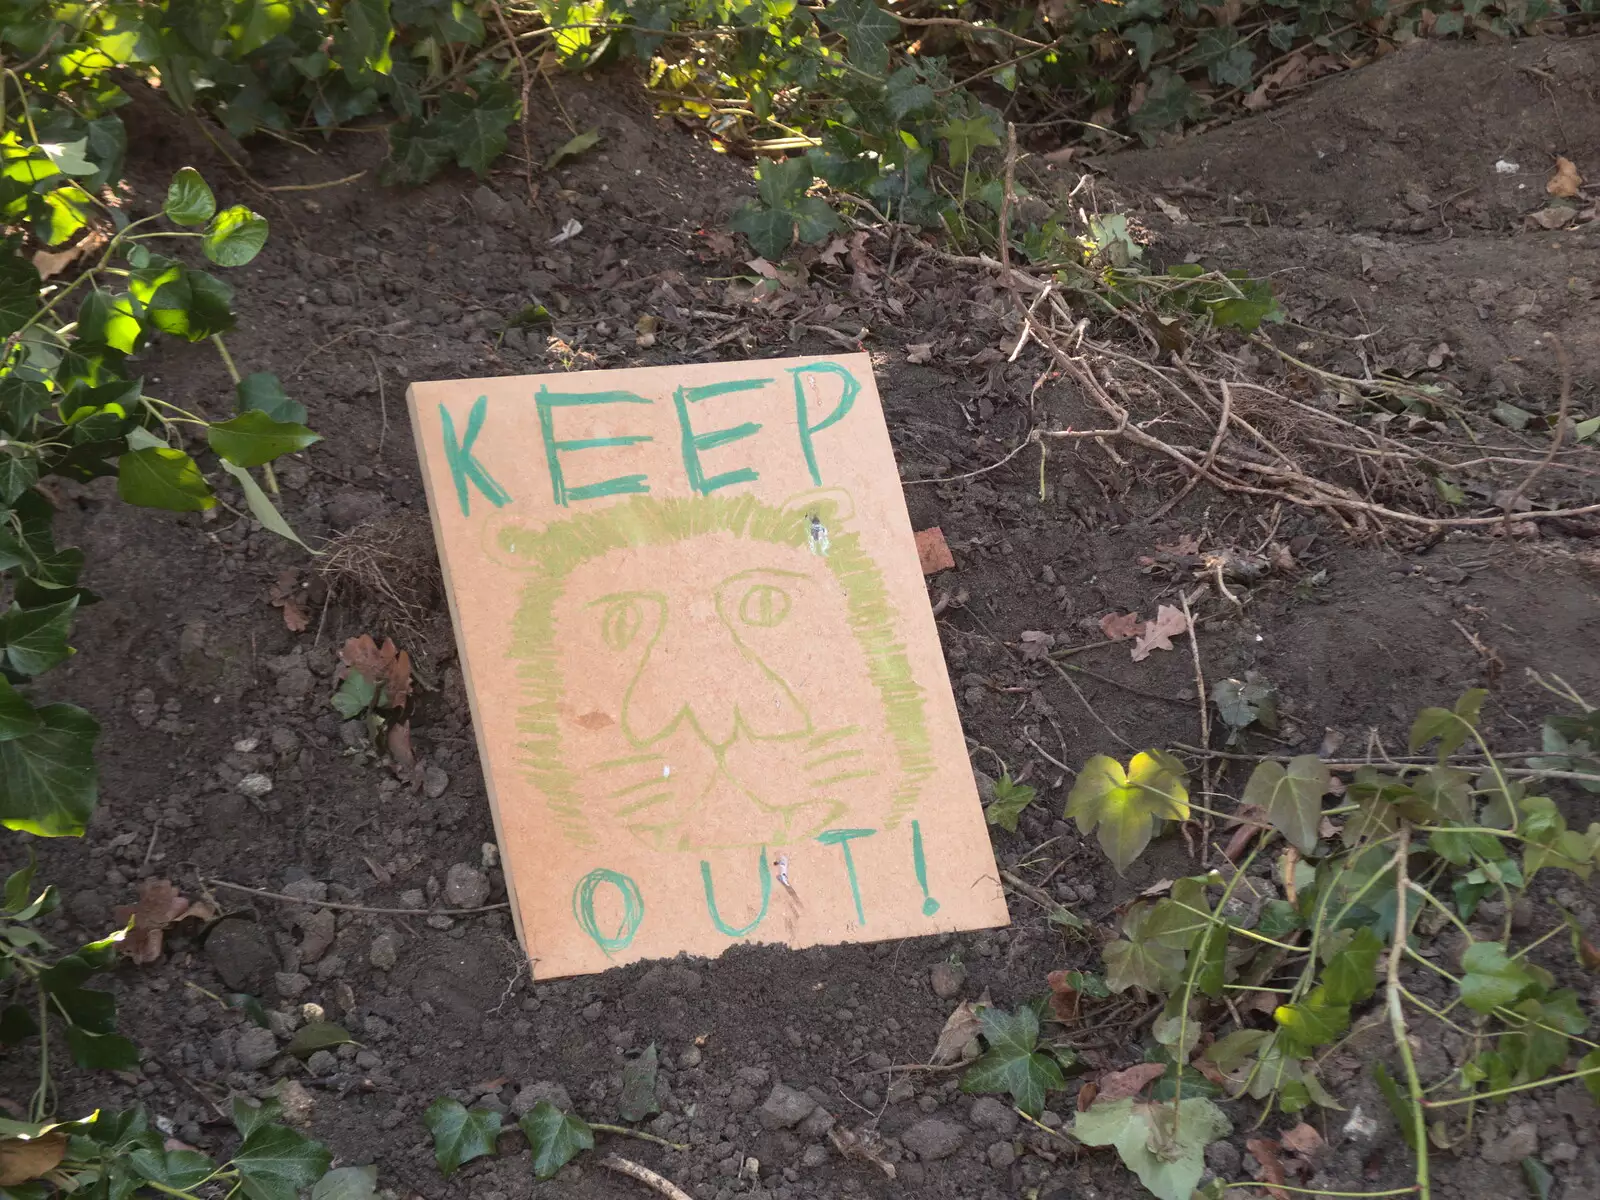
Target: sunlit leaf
{"x":1124,"y":807}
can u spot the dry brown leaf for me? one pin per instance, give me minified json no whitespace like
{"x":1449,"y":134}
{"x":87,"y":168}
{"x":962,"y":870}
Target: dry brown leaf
{"x":398,"y":739}
{"x":1119,"y":627}
{"x":1252,"y":820}
{"x":1266,"y":1152}
{"x":921,"y":352}
{"x":1557,"y":217}
{"x":830,"y":253}
{"x":1158,"y":634}
{"x":864,"y":1144}
{"x":384,"y":665}
{"x":721,"y":244}
{"x":22,"y":1159}
{"x":1303,"y":1139}
{"x":1566,"y":181}
{"x":1119,"y":1085}
{"x":1035,"y":645}
{"x":1086,"y":1095}
{"x":1064,"y":998}
{"x":1159,"y":888}
{"x":933,"y":551}
{"x":160,"y":906}
{"x":1187,"y":544}
{"x":960,"y":1033}
{"x":283,"y":597}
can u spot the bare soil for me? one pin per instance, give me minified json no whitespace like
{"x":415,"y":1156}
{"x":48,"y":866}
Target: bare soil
{"x":1374,"y":200}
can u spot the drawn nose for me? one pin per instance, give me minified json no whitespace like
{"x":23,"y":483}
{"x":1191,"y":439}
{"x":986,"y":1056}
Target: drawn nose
{"x":698,"y":672}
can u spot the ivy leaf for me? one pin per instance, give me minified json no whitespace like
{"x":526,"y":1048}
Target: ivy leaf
{"x":964,"y":135}
{"x":1164,"y":1145}
{"x":770,"y":231}
{"x":19,"y":471}
{"x":183,"y":1170}
{"x":1140,"y":958}
{"x":1243,"y":702}
{"x":347,"y":1183}
{"x":868,"y":30}
{"x":475,"y":126}
{"x":274,"y":1162}
{"x":555,"y":1137}
{"x":415,"y":154}
{"x":1398,"y":1102}
{"x":234,"y":237}
{"x":639,"y":1087}
{"x":907,"y":96}
{"x":1491,"y":977}
{"x":32,"y":640}
{"x":573,"y":147}
{"x":1451,"y":727}
{"x":1126,"y":806}
{"x":1590,"y":1063}
{"x":1347,"y":976}
{"x":159,"y":478}
{"x":261,"y":392}
{"x":1010,"y":799}
{"x":1313,"y":1022}
{"x":1012,"y":1064}
{"x":261,"y":506}
{"x":1168,"y":102}
{"x":459,"y":1135}
{"x":189,"y":199}
{"x":1226,"y":57}
{"x":19,"y":286}
{"x":253,"y":438}
{"x":17,"y":716}
{"x":318,"y":1035}
{"x":368,"y":33}
{"x":1291,"y":797}
{"x":101,"y":1051}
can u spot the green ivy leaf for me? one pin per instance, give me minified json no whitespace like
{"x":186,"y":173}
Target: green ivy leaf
{"x":1243,"y":702}
{"x":1232,"y":1050}
{"x":639,"y":1087}
{"x":1140,"y":958}
{"x":475,"y":126}
{"x":1126,"y":806}
{"x":769,"y":230}
{"x":189,"y":199}
{"x":555,"y":1137}
{"x":867,"y":28}
{"x":459,"y":1135}
{"x":101,"y":1051}
{"x":1398,"y":1102}
{"x":32,"y":640}
{"x":253,"y":438}
{"x":169,"y":479}
{"x":573,"y":147}
{"x":1010,"y":799}
{"x":368,"y":33}
{"x":907,"y":96}
{"x":1011,"y":1063}
{"x":19,"y":471}
{"x":234,"y":237}
{"x":347,"y":1183}
{"x":48,"y":777}
{"x":965,"y":135}
{"x":1492,"y":978}
{"x":108,"y":320}
{"x":178,"y":1169}
{"x":317,"y":1035}
{"x":1168,"y":102}
{"x":1291,"y":797}
{"x":1347,"y":976}
{"x":1451,"y":727}
{"x":17,"y":716}
{"x":1590,"y":1063}
{"x":274,"y":1162}
{"x":1164,"y":1145}
{"x":260,"y":391}
{"x":248,"y":1115}
{"x":19,"y":286}
{"x":415,"y":154}
{"x":1313,"y":1022}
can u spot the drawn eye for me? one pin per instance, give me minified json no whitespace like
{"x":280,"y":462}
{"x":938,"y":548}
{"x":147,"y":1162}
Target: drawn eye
{"x":764,"y":606}
{"x":621,"y":622}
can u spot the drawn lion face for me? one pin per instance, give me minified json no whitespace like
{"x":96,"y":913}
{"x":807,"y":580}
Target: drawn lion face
{"x":698,"y":696}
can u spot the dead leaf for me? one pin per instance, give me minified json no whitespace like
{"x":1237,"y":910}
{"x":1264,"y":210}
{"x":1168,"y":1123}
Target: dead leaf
{"x":22,"y":1159}
{"x":282,"y":595}
{"x":1187,"y":544}
{"x":864,"y":1145}
{"x":934,"y":551}
{"x":830,"y":253}
{"x":1119,"y":1085}
{"x":1119,"y":627}
{"x":1062,"y":156}
{"x":398,"y":739}
{"x":1064,"y":998}
{"x":1171,"y":211}
{"x":921,"y":352}
{"x":160,"y":906}
{"x":720,"y":243}
{"x":1086,"y":1095}
{"x":959,"y":1035}
{"x":1266,"y":1152}
{"x":53,"y":262}
{"x":1035,"y":645}
{"x":1303,"y":1139}
{"x":384,"y":665}
{"x":1252,"y":820}
{"x":1281,"y":558}
{"x":1566,"y":181}
{"x":1158,"y":634}
{"x":1556,"y":217}
{"x":1159,"y":888}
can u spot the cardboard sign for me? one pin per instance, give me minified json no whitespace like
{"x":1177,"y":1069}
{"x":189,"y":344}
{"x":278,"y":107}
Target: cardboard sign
{"x":708,"y":691}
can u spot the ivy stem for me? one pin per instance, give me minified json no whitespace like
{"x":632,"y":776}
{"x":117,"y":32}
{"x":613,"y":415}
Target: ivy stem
{"x":233,"y":374}
{"x":1506,"y":1091}
{"x":1397,"y":1015}
{"x":42,"y":1096}
{"x":624,"y":1131}
{"x":1283,"y":1187}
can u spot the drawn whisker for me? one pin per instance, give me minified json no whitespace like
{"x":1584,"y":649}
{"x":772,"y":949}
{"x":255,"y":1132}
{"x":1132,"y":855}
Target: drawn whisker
{"x":832,"y":735}
{"x":828,"y":758}
{"x":631,"y":760}
{"x":840,"y":778}
{"x":653,"y":781}
{"x":648,"y":802}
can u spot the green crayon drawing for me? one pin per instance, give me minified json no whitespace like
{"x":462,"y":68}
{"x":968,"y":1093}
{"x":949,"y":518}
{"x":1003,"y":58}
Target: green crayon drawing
{"x":920,"y":864}
{"x":694,"y":443}
{"x":464,"y":465}
{"x":672,"y":688}
{"x":764,"y":873}
{"x":632,"y":908}
{"x":548,"y":402}
{"x":842,"y":839}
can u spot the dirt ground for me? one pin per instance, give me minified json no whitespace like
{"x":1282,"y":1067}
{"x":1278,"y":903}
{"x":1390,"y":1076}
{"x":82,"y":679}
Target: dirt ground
{"x":1373,"y":199}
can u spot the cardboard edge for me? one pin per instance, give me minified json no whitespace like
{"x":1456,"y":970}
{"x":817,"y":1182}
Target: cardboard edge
{"x":412,"y":406}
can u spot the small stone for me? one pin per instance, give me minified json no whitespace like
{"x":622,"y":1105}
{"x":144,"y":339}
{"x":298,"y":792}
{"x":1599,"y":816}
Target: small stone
{"x":901,"y":1090}
{"x":1516,"y":1145}
{"x":255,"y":785}
{"x":545,"y":1089}
{"x":413,"y":898}
{"x":1223,"y":1159}
{"x":489,"y":206}
{"x":928,"y":1104}
{"x":290,"y":984}
{"x":367,"y":1060}
{"x":320,"y":929}
{"x":465,"y":886}
{"x":754,"y":1076}
{"x":434,"y":781}
{"x":816,"y":1125}
{"x":947,"y":979}
{"x":297,"y":1102}
{"x":814,"y":1156}
{"x":870,"y":1099}
{"x":989,"y":1113}
{"x":594,"y":1012}
{"x":1001,"y":1155}
{"x":255,"y":1048}
{"x":785,"y":1107}
{"x":242,"y":955}
{"x":690,"y":1057}
{"x":742,"y":1098}
{"x":933,"y":1138}
{"x":385,"y":950}
{"x":322,"y":1064}
{"x":1562,"y":1152}
{"x":440,"y":921}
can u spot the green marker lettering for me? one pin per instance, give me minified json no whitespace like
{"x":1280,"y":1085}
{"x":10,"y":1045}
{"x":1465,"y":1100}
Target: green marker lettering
{"x":847,"y":398}
{"x":632,"y":908}
{"x":464,"y":465}
{"x":548,"y":402}
{"x":765,"y":875}
{"x":929,"y":904}
{"x":842,"y":838}
{"x":694,"y":443}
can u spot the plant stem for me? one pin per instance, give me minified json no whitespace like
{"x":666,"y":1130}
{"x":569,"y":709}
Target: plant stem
{"x":1506,"y":1091}
{"x":1283,"y":1187}
{"x":233,"y":374}
{"x":42,"y":1096}
{"x":624,"y":1131}
{"x":1241,"y":932}
{"x":1397,"y":1016}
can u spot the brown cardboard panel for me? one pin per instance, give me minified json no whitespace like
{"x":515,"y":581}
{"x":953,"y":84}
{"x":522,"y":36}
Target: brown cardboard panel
{"x":708,"y":691}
